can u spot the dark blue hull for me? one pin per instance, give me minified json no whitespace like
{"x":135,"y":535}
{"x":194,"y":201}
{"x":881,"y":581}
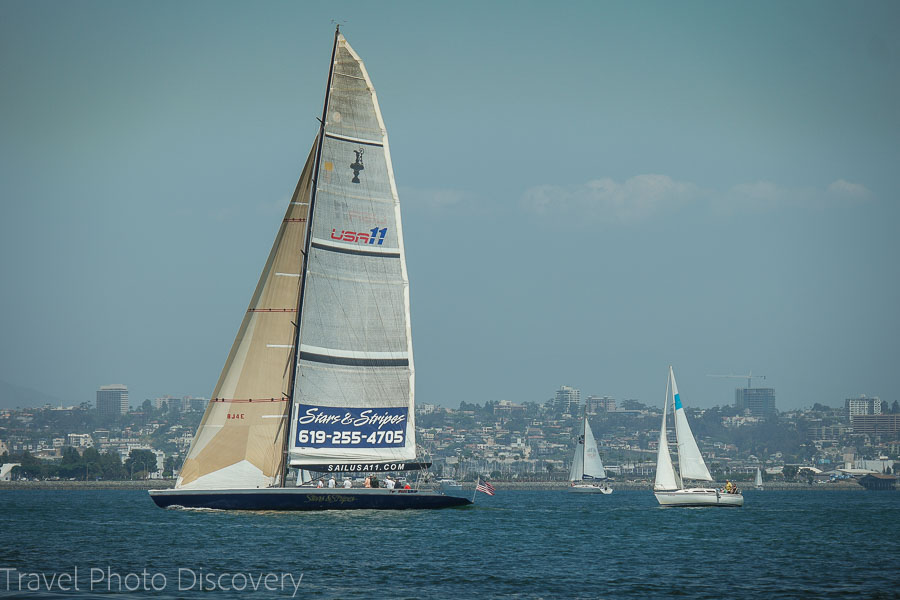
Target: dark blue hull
{"x":306,"y":499}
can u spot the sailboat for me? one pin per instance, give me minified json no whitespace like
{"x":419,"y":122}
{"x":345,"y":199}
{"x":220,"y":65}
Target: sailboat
{"x":587,"y":468}
{"x":669,"y":487}
{"x":759,"y":484}
{"x":320,"y":376}
{"x":304,"y":478}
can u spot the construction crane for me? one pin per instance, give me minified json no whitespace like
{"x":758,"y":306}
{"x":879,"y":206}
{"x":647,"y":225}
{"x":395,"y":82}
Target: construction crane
{"x":748,"y":377}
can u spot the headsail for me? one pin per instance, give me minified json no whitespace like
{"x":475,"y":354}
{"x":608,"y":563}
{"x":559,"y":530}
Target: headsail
{"x":353,"y":396}
{"x":240,"y":440}
{"x":665,"y":470}
{"x":690,"y":462}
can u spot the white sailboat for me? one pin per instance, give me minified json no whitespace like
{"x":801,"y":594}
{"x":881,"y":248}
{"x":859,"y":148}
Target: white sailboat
{"x":669,"y":487}
{"x":304,"y":478}
{"x":759,"y":484}
{"x":320,"y":376}
{"x":587,"y":475}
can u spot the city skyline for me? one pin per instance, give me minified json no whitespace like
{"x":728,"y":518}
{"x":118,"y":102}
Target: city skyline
{"x":590,"y":191}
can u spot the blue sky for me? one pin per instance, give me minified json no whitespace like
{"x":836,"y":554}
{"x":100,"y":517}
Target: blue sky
{"x":591,"y":191}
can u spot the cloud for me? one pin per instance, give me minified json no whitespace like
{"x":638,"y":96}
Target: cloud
{"x":845,"y":189}
{"x":438,"y":202}
{"x":758,"y":196}
{"x":605,"y":199}
{"x":645,"y":196}
{"x":763,"y":196}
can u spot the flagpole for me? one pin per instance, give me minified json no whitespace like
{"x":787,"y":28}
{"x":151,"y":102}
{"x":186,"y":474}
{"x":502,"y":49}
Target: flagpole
{"x":475,"y":492}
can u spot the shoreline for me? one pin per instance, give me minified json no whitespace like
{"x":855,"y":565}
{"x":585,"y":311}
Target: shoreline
{"x":161,"y":484}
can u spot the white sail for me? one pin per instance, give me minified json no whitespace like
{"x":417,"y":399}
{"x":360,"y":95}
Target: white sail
{"x":303,"y":477}
{"x":758,"y":479}
{"x":354,"y":382}
{"x":690,"y":462}
{"x":593,"y":466}
{"x":577,"y":470}
{"x":665,"y":470}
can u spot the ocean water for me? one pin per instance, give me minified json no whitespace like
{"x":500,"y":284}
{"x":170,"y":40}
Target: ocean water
{"x":528,"y":544}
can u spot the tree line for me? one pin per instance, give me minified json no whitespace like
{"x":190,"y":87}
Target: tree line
{"x":89,"y":465}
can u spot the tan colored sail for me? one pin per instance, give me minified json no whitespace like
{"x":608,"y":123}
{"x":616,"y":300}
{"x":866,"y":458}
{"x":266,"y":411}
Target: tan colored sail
{"x":239,"y":443}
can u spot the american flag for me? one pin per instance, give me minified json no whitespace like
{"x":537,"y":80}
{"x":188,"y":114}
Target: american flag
{"x":484,"y":486}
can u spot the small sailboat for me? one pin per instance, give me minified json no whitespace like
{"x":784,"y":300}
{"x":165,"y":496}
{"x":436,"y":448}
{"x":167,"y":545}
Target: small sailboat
{"x":320,"y":376}
{"x":669,"y":487}
{"x":759,"y":484}
{"x":304,"y":478}
{"x":587,"y":475}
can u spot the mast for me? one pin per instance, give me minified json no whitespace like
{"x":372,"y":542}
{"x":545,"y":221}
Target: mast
{"x":309,"y":225}
{"x":584,"y":438}
{"x":677,"y":472}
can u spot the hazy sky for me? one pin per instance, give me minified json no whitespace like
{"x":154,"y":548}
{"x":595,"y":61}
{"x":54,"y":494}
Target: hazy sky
{"x":590,"y":191}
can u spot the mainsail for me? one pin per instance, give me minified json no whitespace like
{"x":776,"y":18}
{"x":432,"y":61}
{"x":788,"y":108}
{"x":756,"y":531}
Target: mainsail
{"x":593,"y":466}
{"x":690,"y":462}
{"x":354,"y":380}
{"x":240,"y":440}
{"x":586,"y":463}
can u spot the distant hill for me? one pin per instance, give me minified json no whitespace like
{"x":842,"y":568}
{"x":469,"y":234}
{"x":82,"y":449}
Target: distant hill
{"x":12,"y":396}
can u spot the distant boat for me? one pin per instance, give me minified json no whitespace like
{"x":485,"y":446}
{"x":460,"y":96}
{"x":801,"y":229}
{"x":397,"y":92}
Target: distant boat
{"x":320,"y":376}
{"x":759,"y":484}
{"x":669,"y":487}
{"x":587,"y":475}
{"x":304,"y":478}
{"x":449,"y":485}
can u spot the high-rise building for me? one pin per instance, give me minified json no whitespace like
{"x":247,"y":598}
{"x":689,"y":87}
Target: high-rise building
{"x":883,"y":425}
{"x":863,"y":406}
{"x":185,"y":403}
{"x":112,"y":400}
{"x":759,"y":401}
{"x":595,"y":404}
{"x":568,"y":399}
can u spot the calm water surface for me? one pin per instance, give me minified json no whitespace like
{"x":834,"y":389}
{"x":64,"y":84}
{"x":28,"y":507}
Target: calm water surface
{"x":547,"y":544}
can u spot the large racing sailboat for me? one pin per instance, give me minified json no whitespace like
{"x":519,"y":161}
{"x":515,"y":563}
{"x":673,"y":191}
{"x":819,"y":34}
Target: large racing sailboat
{"x":669,"y":487}
{"x":320,"y":376}
{"x":587,"y":475}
